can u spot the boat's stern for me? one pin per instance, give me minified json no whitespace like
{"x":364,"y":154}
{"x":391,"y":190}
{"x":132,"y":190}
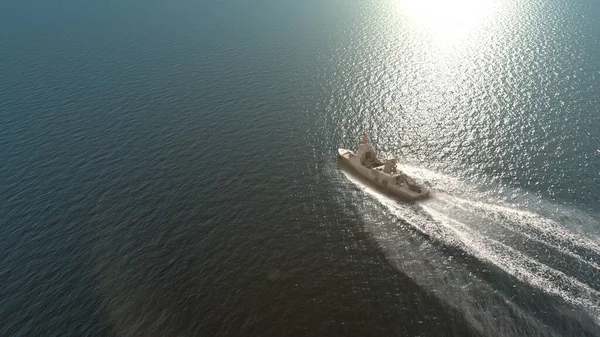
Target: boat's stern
{"x":424,"y":193}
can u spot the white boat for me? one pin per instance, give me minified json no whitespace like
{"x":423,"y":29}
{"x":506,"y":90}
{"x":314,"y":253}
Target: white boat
{"x":384,"y":173}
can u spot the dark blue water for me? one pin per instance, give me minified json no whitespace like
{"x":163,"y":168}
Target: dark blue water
{"x":167,"y":168}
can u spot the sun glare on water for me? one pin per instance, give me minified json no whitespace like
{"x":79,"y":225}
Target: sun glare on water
{"x":448,"y":21}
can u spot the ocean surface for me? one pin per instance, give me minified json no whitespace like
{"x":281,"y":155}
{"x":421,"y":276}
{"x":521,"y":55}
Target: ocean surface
{"x":167,"y":168}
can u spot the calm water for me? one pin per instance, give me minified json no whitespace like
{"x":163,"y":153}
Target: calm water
{"x":166,"y":168}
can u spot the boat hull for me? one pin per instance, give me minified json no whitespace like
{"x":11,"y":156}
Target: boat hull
{"x":349,"y":159}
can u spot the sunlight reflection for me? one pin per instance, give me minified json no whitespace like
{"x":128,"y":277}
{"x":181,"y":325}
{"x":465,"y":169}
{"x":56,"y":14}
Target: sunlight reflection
{"x":448,"y":22}
{"x":439,"y":59}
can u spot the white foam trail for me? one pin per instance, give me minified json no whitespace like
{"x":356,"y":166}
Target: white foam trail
{"x":527,"y":224}
{"x":523,"y":267}
{"x":432,"y":270}
{"x":550,"y":229}
{"x":441,"y":220}
{"x":546,"y":226}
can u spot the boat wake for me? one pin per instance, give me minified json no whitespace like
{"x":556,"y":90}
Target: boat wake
{"x":492,"y":260}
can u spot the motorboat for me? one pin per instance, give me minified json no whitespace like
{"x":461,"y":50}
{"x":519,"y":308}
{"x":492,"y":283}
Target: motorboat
{"x":382,"y":173}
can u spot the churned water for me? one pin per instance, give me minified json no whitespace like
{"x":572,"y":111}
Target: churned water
{"x":167,"y":168}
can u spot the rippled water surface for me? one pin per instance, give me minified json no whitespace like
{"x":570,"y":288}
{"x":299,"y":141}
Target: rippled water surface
{"x":168,"y":169}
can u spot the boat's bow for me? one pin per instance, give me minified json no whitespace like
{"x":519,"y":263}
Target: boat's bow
{"x":344,"y":153}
